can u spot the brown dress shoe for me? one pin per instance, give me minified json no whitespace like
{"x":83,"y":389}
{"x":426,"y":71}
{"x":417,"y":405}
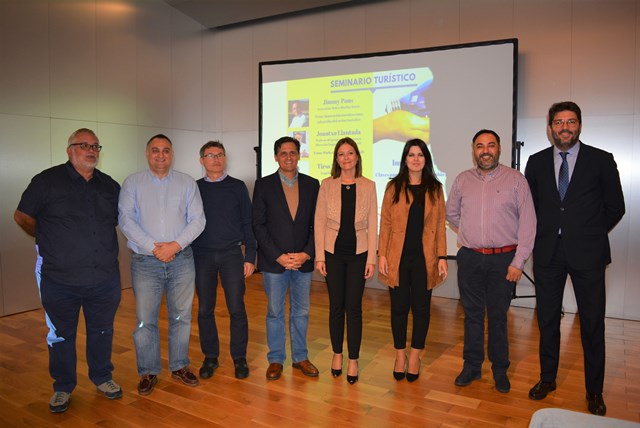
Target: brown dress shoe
{"x":308,"y":369}
{"x":274,"y":371}
{"x":147,"y":382}
{"x":185,"y":376}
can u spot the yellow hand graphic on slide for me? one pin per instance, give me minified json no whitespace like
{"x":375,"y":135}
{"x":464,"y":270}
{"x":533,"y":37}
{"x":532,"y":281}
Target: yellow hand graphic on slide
{"x":402,"y":126}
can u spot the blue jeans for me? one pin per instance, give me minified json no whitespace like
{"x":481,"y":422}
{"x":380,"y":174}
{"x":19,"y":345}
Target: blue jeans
{"x":230,"y":265}
{"x":150,"y":278}
{"x":276,"y":286}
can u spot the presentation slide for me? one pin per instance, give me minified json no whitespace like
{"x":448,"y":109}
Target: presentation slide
{"x":440,"y":95}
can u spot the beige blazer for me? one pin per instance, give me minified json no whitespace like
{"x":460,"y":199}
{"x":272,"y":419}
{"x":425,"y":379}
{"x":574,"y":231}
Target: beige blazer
{"x":327,"y":220}
{"x":393,"y":226}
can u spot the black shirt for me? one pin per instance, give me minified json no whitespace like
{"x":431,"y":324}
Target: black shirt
{"x":346,"y":239}
{"x":75,"y":224}
{"x":415,"y":223}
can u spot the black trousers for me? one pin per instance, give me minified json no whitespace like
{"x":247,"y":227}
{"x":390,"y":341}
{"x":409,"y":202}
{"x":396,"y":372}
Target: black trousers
{"x":484,"y":288}
{"x":589,"y":289}
{"x":229,"y":264}
{"x":62,"y":304}
{"x":345,"y":283}
{"x":411,"y":293}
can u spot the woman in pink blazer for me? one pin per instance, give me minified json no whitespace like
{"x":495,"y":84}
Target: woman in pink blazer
{"x":346,"y":226}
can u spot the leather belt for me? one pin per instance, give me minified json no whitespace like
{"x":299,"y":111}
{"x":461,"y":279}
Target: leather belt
{"x":501,"y":250}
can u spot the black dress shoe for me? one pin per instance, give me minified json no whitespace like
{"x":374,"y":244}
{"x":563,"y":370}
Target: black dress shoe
{"x":502,"y":382}
{"x":541,"y":390}
{"x":467,"y":376}
{"x":242,"y":368}
{"x":209,"y":365}
{"x":596,"y":404}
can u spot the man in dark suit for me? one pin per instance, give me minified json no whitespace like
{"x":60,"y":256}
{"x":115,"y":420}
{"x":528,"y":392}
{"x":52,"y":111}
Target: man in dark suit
{"x":284,"y":205}
{"x":578,"y":198}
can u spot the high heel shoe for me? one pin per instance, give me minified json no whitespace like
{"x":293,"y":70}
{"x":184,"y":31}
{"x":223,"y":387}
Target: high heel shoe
{"x":352,"y":379}
{"x":400,"y":375}
{"x":412,"y":377}
{"x":336,"y":372}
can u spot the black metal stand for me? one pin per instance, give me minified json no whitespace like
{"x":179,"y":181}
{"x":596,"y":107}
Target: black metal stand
{"x":257,"y":150}
{"x":515,"y":296}
{"x":515,"y":154}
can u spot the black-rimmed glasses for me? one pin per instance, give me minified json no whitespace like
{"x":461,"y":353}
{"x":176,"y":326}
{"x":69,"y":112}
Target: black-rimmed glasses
{"x":86,"y":146}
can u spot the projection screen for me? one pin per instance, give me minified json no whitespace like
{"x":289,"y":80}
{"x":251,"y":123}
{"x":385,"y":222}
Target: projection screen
{"x":442,"y":95}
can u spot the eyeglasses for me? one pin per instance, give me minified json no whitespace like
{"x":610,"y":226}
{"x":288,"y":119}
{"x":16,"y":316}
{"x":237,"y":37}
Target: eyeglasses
{"x":214,"y":156}
{"x":560,"y":122}
{"x":86,"y":146}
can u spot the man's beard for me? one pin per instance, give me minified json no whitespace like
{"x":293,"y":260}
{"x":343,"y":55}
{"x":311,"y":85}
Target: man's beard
{"x":564,"y":146}
{"x":488,"y":166}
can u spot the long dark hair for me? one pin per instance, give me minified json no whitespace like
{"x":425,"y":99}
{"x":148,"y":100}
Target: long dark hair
{"x":429,"y":183}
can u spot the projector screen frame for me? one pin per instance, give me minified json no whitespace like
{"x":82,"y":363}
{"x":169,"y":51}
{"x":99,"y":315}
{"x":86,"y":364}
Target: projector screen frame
{"x":512,"y":41}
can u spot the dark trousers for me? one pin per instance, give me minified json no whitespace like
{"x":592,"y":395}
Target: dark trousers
{"x":345,"y":283}
{"x":484,"y":287}
{"x":411,"y":293}
{"x":229,"y":264}
{"x":589,"y":289}
{"x":62,"y":303}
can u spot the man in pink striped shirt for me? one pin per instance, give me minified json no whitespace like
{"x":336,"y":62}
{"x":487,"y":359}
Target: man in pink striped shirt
{"x":491,"y":208}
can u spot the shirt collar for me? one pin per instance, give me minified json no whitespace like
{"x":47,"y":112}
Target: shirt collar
{"x":155,"y":177}
{"x":288,"y":181}
{"x":490,"y":174}
{"x":76,"y":175}
{"x":208,"y":180}
{"x":573,"y":151}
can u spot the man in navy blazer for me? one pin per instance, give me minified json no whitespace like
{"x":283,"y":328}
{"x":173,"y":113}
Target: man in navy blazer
{"x":284,"y":205}
{"x":578,"y":198}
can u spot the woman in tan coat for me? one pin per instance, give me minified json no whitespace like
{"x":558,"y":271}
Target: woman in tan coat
{"x":412,"y":251}
{"x":346,"y":226}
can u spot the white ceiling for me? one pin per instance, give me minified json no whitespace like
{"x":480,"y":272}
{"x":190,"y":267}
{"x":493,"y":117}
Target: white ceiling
{"x":218,"y":13}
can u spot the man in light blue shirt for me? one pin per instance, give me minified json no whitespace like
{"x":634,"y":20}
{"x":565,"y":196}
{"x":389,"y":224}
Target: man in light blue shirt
{"x":160,"y":213}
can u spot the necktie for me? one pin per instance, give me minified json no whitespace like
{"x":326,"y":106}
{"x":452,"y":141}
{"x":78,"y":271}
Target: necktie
{"x":563,"y":176}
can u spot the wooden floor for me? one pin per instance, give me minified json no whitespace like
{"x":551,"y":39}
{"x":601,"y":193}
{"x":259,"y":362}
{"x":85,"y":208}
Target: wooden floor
{"x":377,"y":400}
